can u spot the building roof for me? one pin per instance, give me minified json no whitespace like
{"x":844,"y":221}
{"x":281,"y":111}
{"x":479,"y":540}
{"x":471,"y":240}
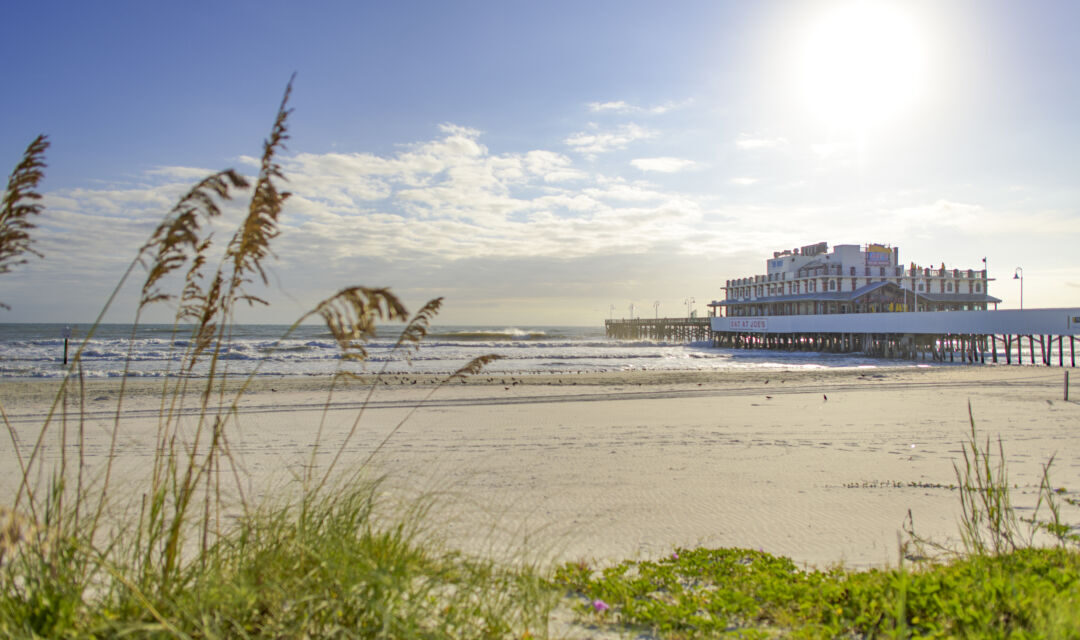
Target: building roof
{"x":958,"y":297}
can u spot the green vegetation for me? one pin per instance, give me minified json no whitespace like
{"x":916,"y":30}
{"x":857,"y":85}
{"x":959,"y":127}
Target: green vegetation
{"x":999,"y":584}
{"x":189,"y":555}
{"x":703,"y":593}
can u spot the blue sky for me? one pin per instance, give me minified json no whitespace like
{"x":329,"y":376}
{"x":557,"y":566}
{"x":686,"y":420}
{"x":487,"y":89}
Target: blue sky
{"x":539,"y":163}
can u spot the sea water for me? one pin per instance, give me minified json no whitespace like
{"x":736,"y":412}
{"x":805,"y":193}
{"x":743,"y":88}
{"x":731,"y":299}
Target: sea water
{"x":37,"y":351}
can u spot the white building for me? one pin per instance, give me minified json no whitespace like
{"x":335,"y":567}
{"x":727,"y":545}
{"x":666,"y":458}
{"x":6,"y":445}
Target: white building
{"x":811,"y":280}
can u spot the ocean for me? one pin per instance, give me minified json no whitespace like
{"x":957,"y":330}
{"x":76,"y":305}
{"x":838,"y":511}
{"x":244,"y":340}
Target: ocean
{"x":37,"y":351}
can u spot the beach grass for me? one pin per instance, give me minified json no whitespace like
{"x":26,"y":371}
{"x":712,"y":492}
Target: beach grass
{"x":191,"y":555}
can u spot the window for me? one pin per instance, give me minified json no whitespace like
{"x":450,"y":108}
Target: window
{"x":948,"y":287}
{"x":921,"y":286}
{"x":882,"y":271}
{"x":832,"y":285}
{"x":978,"y":288}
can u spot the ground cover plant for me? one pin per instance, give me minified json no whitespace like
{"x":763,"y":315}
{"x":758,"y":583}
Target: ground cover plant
{"x":190,"y":555}
{"x":1011,"y":577}
{"x":702,"y":593}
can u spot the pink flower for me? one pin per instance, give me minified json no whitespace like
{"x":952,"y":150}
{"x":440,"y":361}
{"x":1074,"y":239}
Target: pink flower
{"x":600,"y":606}
{"x":674,"y":555}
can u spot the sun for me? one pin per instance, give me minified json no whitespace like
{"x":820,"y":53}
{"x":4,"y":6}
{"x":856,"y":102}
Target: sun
{"x":861,"y":64}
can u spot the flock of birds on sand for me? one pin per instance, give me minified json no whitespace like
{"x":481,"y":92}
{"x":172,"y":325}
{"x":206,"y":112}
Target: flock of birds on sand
{"x":406,"y":380}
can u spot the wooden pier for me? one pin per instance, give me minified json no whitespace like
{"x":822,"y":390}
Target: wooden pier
{"x":665,"y":329}
{"x":1039,"y":336}
{"x":1005,"y":349}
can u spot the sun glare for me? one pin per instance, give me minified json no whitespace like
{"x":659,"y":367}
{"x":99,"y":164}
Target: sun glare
{"x":861,"y":65}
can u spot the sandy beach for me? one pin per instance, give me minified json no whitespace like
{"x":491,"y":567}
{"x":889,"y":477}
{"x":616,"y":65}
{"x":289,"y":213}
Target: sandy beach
{"x":819,"y":465}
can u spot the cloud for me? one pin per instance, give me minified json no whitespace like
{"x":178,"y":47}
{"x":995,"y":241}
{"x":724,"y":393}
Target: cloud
{"x":743,"y":182}
{"x":670,"y":106}
{"x":618,"y":106}
{"x":594,"y":142}
{"x":663,"y":165}
{"x":621,"y":106}
{"x":444,"y":199}
{"x":180,"y":173}
{"x":552,"y":167}
{"x":751,"y":143}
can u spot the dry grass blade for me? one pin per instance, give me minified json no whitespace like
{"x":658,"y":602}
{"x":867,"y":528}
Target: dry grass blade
{"x":474,"y":366}
{"x":21,"y":202}
{"x":251,"y":244}
{"x":177,"y":237}
{"x":418,"y":327}
{"x":350,"y":315}
{"x":200,"y":308}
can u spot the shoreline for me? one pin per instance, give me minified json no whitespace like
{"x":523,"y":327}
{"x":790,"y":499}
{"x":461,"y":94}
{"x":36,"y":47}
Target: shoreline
{"x":818,"y":465}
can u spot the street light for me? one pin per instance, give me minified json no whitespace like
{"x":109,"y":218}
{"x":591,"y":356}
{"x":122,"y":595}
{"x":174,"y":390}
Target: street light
{"x":689,"y":305}
{"x":656,"y":308}
{"x":1019,"y":275}
{"x":632,"y":310}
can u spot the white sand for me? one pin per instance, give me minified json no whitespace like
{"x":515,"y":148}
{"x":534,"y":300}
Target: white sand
{"x":618,"y":466}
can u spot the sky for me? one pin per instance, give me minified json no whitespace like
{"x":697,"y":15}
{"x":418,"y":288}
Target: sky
{"x":550,"y":163}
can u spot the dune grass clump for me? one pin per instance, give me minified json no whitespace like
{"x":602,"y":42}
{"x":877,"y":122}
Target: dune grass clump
{"x":188,"y":554}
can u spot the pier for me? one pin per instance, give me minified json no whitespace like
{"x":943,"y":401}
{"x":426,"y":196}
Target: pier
{"x":947,"y":336}
{"x":665,"y":329}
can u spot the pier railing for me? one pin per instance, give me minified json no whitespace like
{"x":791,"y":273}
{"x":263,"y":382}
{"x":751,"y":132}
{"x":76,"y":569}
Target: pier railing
{"x":667,"y":329}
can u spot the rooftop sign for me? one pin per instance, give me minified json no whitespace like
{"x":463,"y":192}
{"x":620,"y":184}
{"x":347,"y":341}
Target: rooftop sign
{"x":877,"y":255}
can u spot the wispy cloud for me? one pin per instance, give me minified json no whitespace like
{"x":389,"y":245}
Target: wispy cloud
{"x":595,"y":142}
{"x":663,"y":165}
{"x":621,"y":106}
{"x":743,"y":182}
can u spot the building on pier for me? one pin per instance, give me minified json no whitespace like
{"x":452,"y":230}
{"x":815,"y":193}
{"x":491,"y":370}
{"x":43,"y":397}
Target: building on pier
{"x":811,"y":299}
{"x":812,"y":280}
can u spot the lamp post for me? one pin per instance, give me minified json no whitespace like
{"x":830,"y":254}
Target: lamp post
{"x":689,"y":305}
{"x":632,"y":310}
{"x":656,"y":308}
{"x":1019,"y":275}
